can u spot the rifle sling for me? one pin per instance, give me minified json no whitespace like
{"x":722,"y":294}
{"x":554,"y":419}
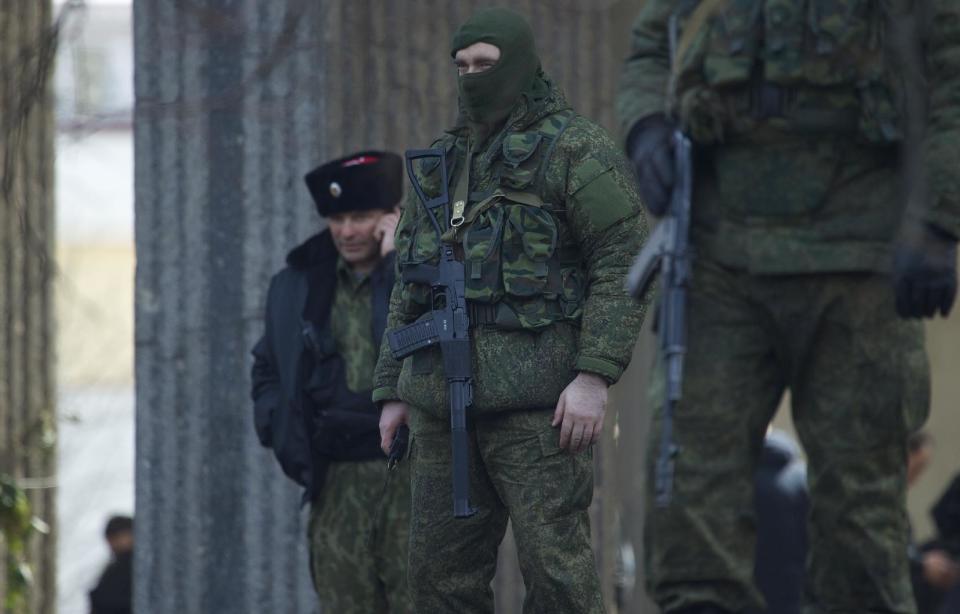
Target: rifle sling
{"x":697,"y":20}
{"x":461,"y":192}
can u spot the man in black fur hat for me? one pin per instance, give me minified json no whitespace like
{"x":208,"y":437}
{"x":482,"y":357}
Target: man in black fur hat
{"x":312,"y":374}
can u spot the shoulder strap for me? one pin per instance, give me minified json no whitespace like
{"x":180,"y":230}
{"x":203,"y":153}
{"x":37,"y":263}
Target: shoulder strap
{"x":695,"y":23}
{"x":319,"y":283}
{"x":461,"y":191}
{"x":680,"y":42}
{"x":382,"y":281}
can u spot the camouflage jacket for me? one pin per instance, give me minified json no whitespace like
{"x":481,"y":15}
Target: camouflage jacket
{"x":351,"y":317}
{"x":797,"y":106}
{"x":552,"y":222}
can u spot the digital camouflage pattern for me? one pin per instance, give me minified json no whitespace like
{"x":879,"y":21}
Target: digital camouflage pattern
{"x":547,"y":245}
{"x":358,"y":536}
{"x":358,"y":532}
{"x":350,"y":318}
{"x":517,"y":467}
{"x":794,"y":106}
{"x":831,"y":158}
{"x":858,"y":383}
{"x":552,"y":221}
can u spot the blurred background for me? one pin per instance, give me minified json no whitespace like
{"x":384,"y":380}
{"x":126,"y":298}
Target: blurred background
{"x":93,"y":94}
{"x":231,"y":102}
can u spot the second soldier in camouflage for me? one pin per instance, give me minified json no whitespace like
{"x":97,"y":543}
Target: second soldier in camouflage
{"x":796,"y":111}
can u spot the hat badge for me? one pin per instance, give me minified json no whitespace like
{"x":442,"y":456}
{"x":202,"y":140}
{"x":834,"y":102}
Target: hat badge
{"x":335,"y":190}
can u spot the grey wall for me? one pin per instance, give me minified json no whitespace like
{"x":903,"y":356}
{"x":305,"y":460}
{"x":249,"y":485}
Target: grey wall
{"x":235,"y":101}
{"x":229,"y":109}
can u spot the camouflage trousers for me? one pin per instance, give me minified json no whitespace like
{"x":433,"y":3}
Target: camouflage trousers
{"x":858,"y":379}
{"x":358,"y":539}
{"x":517,"y":471}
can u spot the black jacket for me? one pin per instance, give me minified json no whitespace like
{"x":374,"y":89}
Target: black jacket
{"x":306,"y":430}
{"x":114,"y":591}
{"x":946,"y":516}
{"x":781,"y":503}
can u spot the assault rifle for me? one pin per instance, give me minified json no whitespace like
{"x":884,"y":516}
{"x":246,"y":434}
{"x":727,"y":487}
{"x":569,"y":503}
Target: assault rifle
{"x":667,"y":252}
{"x":447,"y":325}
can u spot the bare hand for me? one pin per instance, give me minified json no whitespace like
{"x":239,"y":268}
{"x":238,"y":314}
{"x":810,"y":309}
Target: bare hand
{"x":393,"y":414}
{"x":940,"y":570}
{"x":385,"y":230}
{"x":580,"y":412}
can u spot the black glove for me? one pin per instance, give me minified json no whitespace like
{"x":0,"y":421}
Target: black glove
{"x":925,"y":275}
{"x":650,"y":145}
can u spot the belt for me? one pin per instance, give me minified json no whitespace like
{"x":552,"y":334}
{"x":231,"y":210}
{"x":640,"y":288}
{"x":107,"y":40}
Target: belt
{"x":763,"y":100}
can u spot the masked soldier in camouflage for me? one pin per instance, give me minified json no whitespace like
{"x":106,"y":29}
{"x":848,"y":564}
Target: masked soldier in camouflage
{"x":806,"y":252}
{"x":551,"y":220}
{"x":312,"y":374}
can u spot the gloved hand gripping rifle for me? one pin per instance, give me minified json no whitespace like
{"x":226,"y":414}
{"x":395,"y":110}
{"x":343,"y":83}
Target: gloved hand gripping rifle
{"x":446,"y":324}
{"x":667,"y":252}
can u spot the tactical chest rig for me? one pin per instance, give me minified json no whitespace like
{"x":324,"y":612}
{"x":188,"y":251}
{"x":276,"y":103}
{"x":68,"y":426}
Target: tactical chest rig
{"x":522,"y":266}
{"x":800,"y":65}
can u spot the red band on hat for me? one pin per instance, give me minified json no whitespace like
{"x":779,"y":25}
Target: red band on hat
{"x":360,"y":161}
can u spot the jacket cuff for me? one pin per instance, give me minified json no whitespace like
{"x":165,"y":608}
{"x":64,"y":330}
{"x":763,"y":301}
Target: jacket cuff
{"x":606,"y":369}
{"x":945,"y":222}
{"x":384,"y":394}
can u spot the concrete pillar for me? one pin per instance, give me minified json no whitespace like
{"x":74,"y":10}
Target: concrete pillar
{"x":236,"y":100}
{"x":228,"y":114}
{"x":27,"y":422}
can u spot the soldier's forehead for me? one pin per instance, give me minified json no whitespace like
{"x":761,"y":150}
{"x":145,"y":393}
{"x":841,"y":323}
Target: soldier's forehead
{"x":481,"y":49}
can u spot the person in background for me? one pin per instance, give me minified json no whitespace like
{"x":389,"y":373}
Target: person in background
{"x":312,"y":377}
{"x":781,"y":502}
{"x":934,"y":570}
{"x":113,"y":593}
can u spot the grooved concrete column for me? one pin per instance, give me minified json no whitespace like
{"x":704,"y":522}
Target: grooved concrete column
{"x":228,"y":115}
{"x":236,"y":100}
{"x":27,"y":422}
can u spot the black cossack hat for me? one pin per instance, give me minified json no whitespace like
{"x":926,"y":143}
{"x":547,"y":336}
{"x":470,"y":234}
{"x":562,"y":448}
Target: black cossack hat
{"x":359,"y":182}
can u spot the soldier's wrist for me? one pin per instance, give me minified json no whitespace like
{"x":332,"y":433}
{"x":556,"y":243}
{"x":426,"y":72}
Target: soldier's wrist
{"x":383,"y":395}
{"x":593,"y":379}
{"x":601,"y":367}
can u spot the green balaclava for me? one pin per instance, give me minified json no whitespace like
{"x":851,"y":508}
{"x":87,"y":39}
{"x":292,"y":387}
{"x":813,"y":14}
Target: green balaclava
{"x":487,"y":98}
